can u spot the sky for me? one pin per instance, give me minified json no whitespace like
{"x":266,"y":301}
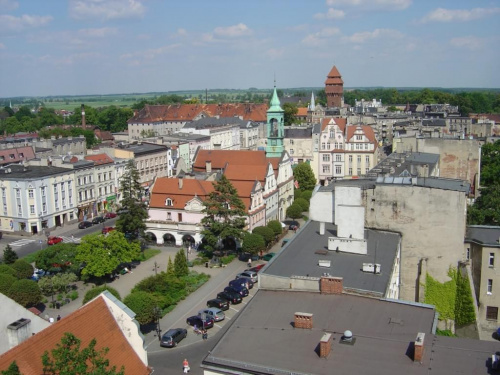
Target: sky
{"x":96,"y":47}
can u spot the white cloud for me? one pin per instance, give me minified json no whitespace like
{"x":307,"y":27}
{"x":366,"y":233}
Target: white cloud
{"x":331,"y":14}
{"x":68,"y":60}
{"x":365,"y":36}
{"x":149,"y":54}
{"x":371,"y":4}
{"x":97,"y":33}
{"x":8,"y":5}
{"x":11,"y":24}
{"x":274,"y":53}
{"x":106,"y":9}
{"x":469,"y":42}
{"x":233,"y":31}
{"x":321,"y":36}
{"x":462,"y":15}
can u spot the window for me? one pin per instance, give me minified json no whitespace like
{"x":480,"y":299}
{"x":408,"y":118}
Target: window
{"x":332,"y":135}
{"x":326,"y":157}
{"x":326,"y":169}
{"x":492,"y":260}
{"x":169,"y":216}
{"x":44,"y":208}
{"x":338,"y":169}
{"x":11,"y":156}
{"x":18,"y":193}
{"x":323,"y":145}
{"x":367,"y":160}
{"x":169,"y":202}
{"x":21,"y":155}
{"x":367,"y":170}
{"x":359,"y":159}
{"x":350,"y":158}
{"x":358,"y":172}
{"x":338,"y":157}
{"x":467,"y":254}
{"x":179,"y":216}
{"x":350,"y":171}
{"x":30,"y":193}
{"x":489,"y":289}
{"x":42,"y":191}
{"x":32,"y":209}
{"x":491,"y":313}
{"x":359,"y":137}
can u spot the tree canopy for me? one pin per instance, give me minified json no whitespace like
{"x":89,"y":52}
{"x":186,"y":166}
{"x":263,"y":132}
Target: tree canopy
{"x":225,"y":214}
{"x":294,"y":211}
{"x":304,"y":175}
{"x":253,"y":243}
{"x":59,"y":257}
{"x":9,"y":255}
{"x":290,"y":110}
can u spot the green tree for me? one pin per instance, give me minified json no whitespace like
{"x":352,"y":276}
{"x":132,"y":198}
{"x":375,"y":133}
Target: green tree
{"x":306,"y":194}
{"x":486,"y":209}
{"x":59,"y":257}
{"x":56,"y":284}
{"x":275,"y":225}
{"x":290,"y":110}
{"x":304,"y":175}
{"x":253,"y":243}
{"x":67,"y":358}
{"x":94,"y":292}
{"x":131,"y":222}
{"x":12,"y":370}
{"x":6,"y":269}
{"x":297,"y":193}
{"x":23,"y":269}
{"x":101,"y":255}
{"x":464,"y":305}
{"x":266,"y":233}
{"x":490,"y":164}
{"x":170,"y":268}
{"x":294,"y":211}
{"x":224,"y":214}
{"x":25,"y":292}
{"x":180,"y":264}
{"x":9,"y":255}
{"x":302,"y":203}
{"x":143,"y":304}
{"x":6,"y":281}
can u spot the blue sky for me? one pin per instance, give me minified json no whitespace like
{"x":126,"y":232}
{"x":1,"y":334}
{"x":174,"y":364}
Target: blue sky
{"x":56,"y":47}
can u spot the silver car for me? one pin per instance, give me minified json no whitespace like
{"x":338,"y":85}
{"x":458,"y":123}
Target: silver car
{"x":248,"y":274}
{"x":216,"y":314}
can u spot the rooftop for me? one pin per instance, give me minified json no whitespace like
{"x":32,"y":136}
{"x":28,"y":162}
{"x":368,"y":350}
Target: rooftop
{"x":143,"y":148}
{"x":382,"y":248}
{"x":21,"y":172}
{"x":404,"y":164}
{"x":215,"y":122}
{"x":483,"y":234}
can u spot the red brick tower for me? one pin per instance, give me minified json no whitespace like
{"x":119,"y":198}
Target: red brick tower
{"x":334,"y":88}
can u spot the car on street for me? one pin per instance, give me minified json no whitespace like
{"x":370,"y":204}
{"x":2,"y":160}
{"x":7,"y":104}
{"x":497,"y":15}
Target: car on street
{"x":106,"y":230}
{"x":241,"y":290}
{"x":257,"y":268}
{"x":195,"y":320}
{"x":242,"y":281}
{"x":231,"y":297}
{"x":172,"y":337}
{"x":98,"y":220}
{"x":245,"y":256}
{"x":218,"y":303}
{"x":268,"y":256}
{"x":52,"y":240}
{"x":216,"y":314}
{"x":109,"y":215}
{"x":84,"y":224}
{"x":252,"y":275}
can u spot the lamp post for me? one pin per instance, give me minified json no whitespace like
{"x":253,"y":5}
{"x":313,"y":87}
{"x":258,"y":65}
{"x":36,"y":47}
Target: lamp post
{"x":156,"y":268}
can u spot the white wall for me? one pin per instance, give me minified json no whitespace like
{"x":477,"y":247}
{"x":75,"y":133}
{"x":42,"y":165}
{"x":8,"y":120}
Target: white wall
{"x":321,"y":207}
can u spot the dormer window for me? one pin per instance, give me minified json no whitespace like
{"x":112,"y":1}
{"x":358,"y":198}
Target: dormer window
{"x":169,"y":202}
{"x":226,"y":205}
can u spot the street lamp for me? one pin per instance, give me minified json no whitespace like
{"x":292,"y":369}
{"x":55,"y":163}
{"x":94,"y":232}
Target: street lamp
{"x":156,"y":266}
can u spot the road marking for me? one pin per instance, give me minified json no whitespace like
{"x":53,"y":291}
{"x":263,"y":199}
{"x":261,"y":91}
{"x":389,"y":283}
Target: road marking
{"x":228,"y":318}
{"x":216,"y":325}
{"x":20,"y":243}
{"x":232,"y":308}
{"x":71,"y":239}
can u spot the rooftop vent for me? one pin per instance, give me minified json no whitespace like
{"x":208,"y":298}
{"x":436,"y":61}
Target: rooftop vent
{"x":347,"y":338}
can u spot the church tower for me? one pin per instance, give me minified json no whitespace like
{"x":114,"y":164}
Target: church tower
{"x":334,"y":88}
{"x":275,"y":127}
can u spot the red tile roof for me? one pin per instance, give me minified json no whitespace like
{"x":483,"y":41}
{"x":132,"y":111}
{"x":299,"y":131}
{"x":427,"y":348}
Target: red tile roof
{"x":219,"y":158}
{"x":249,"y":173}
{"x":99,"y":159}
{"x":341,"y":123}
{"x":188,"y":112}
{"x":169,"y":188}
{"x":26,"y":151}
{"x":92,"y":321}
{"x":368,"y":130}
{"x":334,"y":77}
{"x":302,"y":111}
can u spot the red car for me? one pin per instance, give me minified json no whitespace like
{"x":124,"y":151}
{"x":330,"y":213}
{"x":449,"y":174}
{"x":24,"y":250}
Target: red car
{"x":106,"y":230}
{"x":110,"y":215}
{"x":257,"y":268}
{"x":52,"y":240}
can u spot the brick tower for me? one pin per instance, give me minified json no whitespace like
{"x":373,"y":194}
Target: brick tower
{"x":334,"y":88}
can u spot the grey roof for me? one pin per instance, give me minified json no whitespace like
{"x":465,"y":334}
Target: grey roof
{"x":298,"y":133}
{"x":262,"y":339}
{"x":434,"y":122}
{"x":316,"y":128}
{"x":483,"y":234}
{"x":403,"y":164}
{"x":61,"y":141}
{"x":21,"y":172}
{"x":144,"y":148}
{"x":214,"y":122}
{"x":185,"y":137}
{"x":80,"y":164}
{"x":298,"y":258}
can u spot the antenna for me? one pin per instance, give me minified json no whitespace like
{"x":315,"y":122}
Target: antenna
{"x":274,"y":79}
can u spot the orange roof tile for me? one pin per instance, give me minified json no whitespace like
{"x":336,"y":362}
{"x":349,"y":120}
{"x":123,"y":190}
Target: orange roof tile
{"x":249,"y":173}
{"x":368,"y":130}
{"x":219,"y":158}
{"x":99,"y":159}
{"x":275,"y":162}
{"x":341,"y":123}
{"x":301,"y":111}
{"x":188,"y":112}
{"x":169,"y":188}
{"x":334,"y":77}
{"x":92,"y":321}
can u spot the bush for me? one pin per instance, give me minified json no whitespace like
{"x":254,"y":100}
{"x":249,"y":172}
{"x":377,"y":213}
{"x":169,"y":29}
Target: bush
{"x":73,"y":295}
{"x":253,"y":243}
{"x":294,"y":211}
{"x":297,"y":193}
{"x":306,"y":194}
{"x":23,"y":269}
{"x":275,"y":225}
{"x":266,"y":233}
{"x":25,"y":292}
{"x":302,"y":203}
{"x":9,"y":255}
{"x":5,"y":269}
{"x":227,"y":259}
{"x":6,"y":280}
{"x":94,"y":292}
{"x":143,"y":304}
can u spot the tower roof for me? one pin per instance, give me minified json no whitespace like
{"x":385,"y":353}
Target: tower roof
{"x":275,"y":105}
{"x":334,"y":77}
{"x":312,"y":105}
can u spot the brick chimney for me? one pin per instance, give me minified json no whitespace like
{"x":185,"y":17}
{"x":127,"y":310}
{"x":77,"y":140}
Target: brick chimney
{"x":419,"y":347}
{"x":208,"y":166}
{"x":83,"y":117}
{"x":325,"y":345}
{"x":181,"y":182}
{"x":303,"y":320}
{"x":18,"y":332}
{"x":331,"y":285}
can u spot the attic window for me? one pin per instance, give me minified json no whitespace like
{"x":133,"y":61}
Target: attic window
{"x":169,"y":202}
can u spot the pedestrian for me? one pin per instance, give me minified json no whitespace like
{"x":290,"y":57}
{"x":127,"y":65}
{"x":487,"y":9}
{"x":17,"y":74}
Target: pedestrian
{"x":185,"y":366}
{"x":294,"y":229}
{"x":58,"y":317}
{"x":51,"y":320}
{"x":205,"y":334}
{"x":249,"y":263}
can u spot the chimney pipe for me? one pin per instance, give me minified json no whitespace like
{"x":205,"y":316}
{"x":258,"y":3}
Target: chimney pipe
{"x":303,"y":320}
{"x":325,"y":345}
{"x":419,"y":347}
{"x":83,"y":117}
{"x":322,"y":228}
{"x":181,"y":182}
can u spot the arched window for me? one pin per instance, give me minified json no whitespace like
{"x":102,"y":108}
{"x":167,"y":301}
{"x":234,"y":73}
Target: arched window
{"x":169,"y":202}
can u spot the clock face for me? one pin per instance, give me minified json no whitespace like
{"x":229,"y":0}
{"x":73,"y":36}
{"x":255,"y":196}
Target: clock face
{"x":339,"y":136}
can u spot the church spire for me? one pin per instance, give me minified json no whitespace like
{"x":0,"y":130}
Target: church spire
{"x":312,"y":105}
{"x":275,"y":104}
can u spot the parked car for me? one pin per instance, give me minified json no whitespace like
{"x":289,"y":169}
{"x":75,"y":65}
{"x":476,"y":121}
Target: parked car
{"x":195,"y":320}
{"x":110,"y":215}
{"x":242,"y":281}
{"x":231,"y":297}
{"x":52,"y":240}
{"x":84,"y":224}
{"x":245,"y":256}
{"x":241,"y":290}
{"x":252,"y":275}
{"x":106,"y":230}
{"x":218,"y":303}
{"x":294,"y":225}
{"x":257,"y":268}
{"x":172,"y":337}
{"x":216,"y":314}
{"x":268,"y":256}
{"x":98,"y":220}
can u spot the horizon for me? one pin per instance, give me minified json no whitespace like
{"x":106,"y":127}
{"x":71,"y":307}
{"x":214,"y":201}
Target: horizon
{"x":78,"y":47}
